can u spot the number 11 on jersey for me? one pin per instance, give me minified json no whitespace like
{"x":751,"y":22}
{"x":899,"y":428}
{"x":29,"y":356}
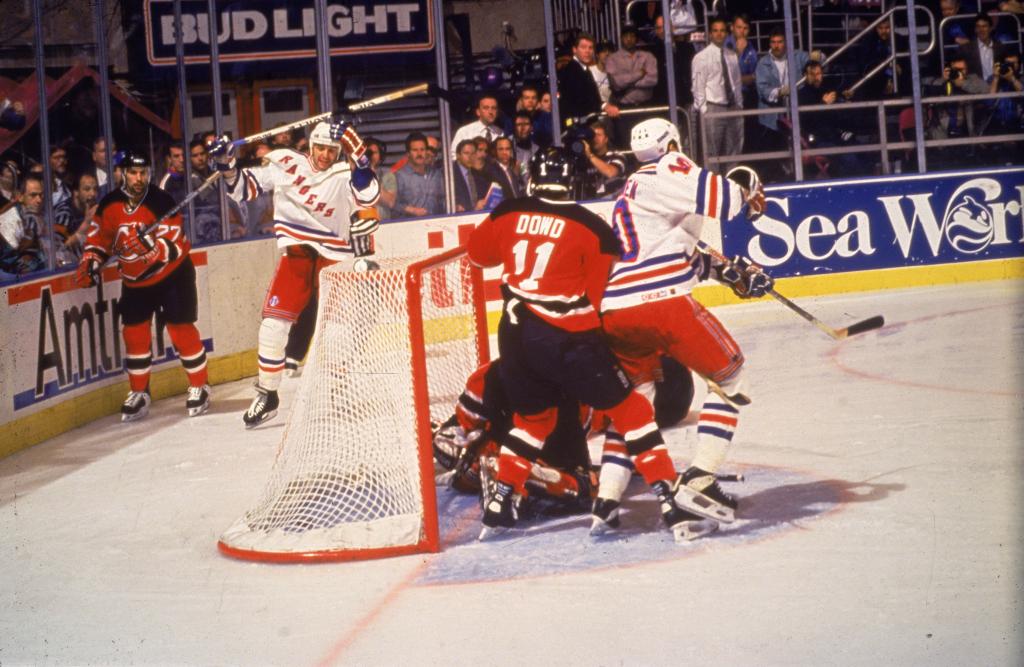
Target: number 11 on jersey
{"x":540,"y":256}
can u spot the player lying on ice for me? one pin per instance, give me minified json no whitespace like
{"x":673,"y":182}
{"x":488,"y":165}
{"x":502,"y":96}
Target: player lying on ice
{"x":323,"y":214}
{"x":561,"y":481}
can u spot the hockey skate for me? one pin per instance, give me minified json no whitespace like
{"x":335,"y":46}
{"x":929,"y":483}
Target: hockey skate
{"x":263,"y":407}
{"x":136,"y":406}
{"x":685,"y":525}
{"x":604,"y":517}
{"x":499,"y":512}
{"x":198,"y":400}
{"x":698,"y":491}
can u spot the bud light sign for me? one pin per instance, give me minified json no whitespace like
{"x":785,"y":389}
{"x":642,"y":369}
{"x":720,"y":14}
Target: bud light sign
{"x":837,"y":226}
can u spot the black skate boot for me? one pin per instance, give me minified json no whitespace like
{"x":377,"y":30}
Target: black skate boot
{"x":698,"y":491}
{"x":263,"y":407}
{"x":685,"y":525}
{"x":136,"y":406}
{"x":604,"y":516}
{"x":198,"y":400}
{"x":499,"y":512}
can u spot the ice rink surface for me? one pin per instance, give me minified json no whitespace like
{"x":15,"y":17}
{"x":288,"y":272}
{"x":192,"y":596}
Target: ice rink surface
{"x":880,"y":523}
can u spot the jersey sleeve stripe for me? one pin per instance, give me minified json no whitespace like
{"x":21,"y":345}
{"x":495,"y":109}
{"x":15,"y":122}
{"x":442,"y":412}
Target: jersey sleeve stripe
{"x":702,"y":186}
{"x":712,"y":208}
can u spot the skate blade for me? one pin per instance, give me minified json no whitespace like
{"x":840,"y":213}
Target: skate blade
{"x":688,"y":531}
{"x":601,"y":528}
{"x":201,"y":410}
{"x":267,"y":417}
{"x":135,"y":417}
{"x":491,"y":532}
{"x":700,"y":504}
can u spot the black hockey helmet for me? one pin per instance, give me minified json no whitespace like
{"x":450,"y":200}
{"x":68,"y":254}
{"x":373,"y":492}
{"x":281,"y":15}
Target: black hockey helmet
{"x":134,"y":158}
{"x":551,"y":172}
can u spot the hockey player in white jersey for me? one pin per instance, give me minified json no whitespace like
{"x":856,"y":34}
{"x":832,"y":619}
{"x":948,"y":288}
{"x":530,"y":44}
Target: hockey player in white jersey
{"x":322,"y":215}
{"x":648,"y":311}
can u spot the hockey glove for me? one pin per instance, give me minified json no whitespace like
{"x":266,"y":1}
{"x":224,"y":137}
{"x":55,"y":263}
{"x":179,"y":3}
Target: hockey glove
{"x":350,"y":141}
{"x":745,"y":278}
{"x":134,"y":243}
{"x":88,"y":273}
{"x":702,"y":264}
{"x":363,"y":222}
{"x":753,"y":190}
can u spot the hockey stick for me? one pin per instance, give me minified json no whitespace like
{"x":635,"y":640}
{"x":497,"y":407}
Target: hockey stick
{"x":205,"y":185}
{"x":869,"y":324}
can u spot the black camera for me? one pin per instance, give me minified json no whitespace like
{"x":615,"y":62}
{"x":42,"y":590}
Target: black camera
{"x":955,"y":74}
{"x":574,"y":138}
{"x":1005,"y":68}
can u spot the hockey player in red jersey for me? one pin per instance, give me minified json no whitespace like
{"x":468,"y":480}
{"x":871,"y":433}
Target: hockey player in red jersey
{"x":157,"y":276}
{"x":322,"y":215}
{"x":648,"y":311}
{"x":555,"y":256}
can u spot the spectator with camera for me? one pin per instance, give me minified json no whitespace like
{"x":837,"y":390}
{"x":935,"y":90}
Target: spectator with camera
{"x":1006,"y":115}
{"x":953,"y":119}
{"x":603,"y":170}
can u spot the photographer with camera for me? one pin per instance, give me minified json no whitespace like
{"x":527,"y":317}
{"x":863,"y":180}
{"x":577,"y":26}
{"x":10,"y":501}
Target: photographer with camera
{"x":602,"y":170}
{"x":1006,"y":115}
{"x":953,"y":119}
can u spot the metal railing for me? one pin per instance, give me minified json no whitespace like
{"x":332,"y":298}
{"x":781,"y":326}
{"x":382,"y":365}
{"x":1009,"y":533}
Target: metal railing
{"x":960,"y":17}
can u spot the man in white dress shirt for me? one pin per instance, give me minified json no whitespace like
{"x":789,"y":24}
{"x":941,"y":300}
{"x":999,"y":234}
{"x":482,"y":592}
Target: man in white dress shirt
{"x":717,"y":87}
{"x":483,"y":126}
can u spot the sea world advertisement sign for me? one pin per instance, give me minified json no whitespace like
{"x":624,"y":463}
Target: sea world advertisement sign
{"x":281,"y":29}
{"x":878,"y":223}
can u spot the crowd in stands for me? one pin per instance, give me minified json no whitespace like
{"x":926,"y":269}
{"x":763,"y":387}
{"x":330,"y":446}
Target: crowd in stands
{"x":604,"y":89}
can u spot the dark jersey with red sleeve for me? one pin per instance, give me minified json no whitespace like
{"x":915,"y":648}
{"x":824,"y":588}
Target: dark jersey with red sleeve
{"x":555,"y":258}
{"x":116,"y":217}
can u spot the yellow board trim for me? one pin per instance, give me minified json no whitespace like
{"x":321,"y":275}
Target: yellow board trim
{"x":50,"y":422}
{"x":35,"y":428}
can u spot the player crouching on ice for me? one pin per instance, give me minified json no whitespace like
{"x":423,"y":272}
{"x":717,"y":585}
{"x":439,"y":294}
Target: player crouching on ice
{"x":555,"y":257}
{"x":157,"y":275}
{"x":466,"y":445}
{"x":322,"y":215}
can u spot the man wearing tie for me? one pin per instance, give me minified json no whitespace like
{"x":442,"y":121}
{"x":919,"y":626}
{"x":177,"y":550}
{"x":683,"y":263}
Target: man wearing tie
{"x":484,"y":125}
{"x":716,"y":88}
{"x":504,"y":171}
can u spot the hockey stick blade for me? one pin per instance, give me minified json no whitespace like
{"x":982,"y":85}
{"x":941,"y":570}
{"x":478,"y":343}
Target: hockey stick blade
{"x":870,"y":324}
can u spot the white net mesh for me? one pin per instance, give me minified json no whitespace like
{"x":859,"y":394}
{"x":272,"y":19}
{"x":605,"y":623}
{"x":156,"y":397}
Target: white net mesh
{"x":347,"y":475}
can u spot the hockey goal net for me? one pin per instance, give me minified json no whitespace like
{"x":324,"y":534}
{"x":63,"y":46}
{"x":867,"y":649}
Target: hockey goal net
{"x":354,"y":476}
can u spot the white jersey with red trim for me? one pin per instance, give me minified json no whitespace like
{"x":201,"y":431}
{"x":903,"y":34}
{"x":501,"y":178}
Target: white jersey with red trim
{"x":311,"y":206}
{"x":658,"y":219}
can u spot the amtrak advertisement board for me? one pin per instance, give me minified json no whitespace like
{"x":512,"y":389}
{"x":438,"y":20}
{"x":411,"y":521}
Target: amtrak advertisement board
{"x":881,"y":223}
{"x":279,"y":29}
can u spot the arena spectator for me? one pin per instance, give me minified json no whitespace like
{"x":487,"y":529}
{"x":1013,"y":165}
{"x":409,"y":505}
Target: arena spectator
{"x":20,"y":228}
{"x":578,"y":95}
{"x":9,"y":175}
{"x":433,"y":151}
{"x":633,"y":74}
{"x":59,"y":171}
{"x":982,"y":52}
{"x":207,"y":204}
{"x":470,"y":185}
{"x":529,"y":102}
{"x":522,"y":133}
{"x":504,"y":170}
{"x":173,"y":180}
{"x":69,"y":232}
{"x":599,"y":70}
{"x":953,"y":120}
{"x":420,"y":184}
{"x":954,"y":33}
{"x":738,"y":41}
{"x":772,"y":78}
{"x":717,"y":88}
{"x":605,"y":169}
{"x":545,"y":102}
{"x":824,"y":129}
{"x":872,"y":51}
{"x":99,"y":160}
{"x":682,"y":61}
{"x":12,"y":114}
{"x":1005,"y":115}
{"x":484,"y":125}
{"x":376,"y":152}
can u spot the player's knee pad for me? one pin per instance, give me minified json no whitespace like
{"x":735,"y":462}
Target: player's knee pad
{"x":185,"y":338}
{"x":138,"y":339}
{"x":733,"y":389}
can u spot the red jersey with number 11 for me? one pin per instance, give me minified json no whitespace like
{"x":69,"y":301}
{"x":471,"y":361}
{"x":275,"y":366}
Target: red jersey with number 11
{"x":555,"y":258}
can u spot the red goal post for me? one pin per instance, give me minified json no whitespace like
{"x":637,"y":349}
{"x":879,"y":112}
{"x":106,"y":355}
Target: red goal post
{"x":354,"y":473}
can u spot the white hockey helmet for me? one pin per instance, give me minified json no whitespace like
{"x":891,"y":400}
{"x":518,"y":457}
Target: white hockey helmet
{"x":321,"y":136}
{"x":650,"y":139}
